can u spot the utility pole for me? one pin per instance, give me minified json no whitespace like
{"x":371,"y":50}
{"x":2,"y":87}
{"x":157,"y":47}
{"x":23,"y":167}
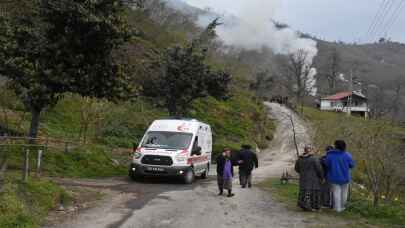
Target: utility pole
{"x":349,"y":112}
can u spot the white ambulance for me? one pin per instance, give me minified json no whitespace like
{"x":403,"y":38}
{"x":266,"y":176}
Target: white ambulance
{"x":173,"y":147}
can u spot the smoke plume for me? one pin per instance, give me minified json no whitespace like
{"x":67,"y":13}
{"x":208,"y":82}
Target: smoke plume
{"x":249,"y":25}
{"x":252,"y":27}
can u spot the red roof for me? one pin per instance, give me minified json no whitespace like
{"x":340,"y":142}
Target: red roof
{"x":339,"y":96}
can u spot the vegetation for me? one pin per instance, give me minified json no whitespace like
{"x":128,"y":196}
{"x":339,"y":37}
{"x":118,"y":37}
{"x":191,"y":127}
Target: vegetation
{"x":366,"y":63}
{"x":56,"y":84}
{"x":25,"y":205}
{"x":62,"y":46}
{"x":360,"y":211}
{"x":376,"y":145}
{"x":182,"y":76}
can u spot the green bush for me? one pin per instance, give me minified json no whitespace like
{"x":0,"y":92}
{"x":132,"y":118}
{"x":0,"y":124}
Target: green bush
{"x":24,"y":205}
{"x":84,"y":162}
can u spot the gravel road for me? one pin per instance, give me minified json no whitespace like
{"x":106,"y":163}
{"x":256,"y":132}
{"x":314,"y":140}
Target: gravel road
{"x":168,"y":204}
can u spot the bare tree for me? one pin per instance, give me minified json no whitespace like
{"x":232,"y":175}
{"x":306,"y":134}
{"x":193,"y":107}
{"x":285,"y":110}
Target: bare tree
{"x":377,"y":150}
{"x":397,"y":101}
{"x":300,"y":73}
{"x":332,"y":70}
{"x":262,"y":83}
{"x":91,"y":112}
{"x":381,"y":159}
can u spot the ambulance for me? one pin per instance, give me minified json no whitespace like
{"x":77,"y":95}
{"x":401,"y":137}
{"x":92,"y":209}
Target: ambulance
{"x":173,"y":147}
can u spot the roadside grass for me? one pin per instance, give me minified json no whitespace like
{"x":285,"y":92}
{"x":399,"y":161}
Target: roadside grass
{"x":25,"y":205}
{"x":360,"y":211}
{"x":89,"y":161}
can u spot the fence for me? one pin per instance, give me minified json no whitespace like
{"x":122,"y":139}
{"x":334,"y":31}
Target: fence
{"x":26,"y":148}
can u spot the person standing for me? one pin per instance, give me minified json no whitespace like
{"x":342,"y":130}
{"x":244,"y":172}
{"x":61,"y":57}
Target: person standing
{"x":220,"y":171}
{"x":225,"y":172}
{"x":310,"y":171}
{"x":339,"y":163}
{"x":247,"y":162}
{"x":326,"y":194}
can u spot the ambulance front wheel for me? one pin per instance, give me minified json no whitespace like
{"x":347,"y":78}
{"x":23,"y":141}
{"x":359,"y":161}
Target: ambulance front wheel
{"x":205,"y":173}
{"x":189,"y":176}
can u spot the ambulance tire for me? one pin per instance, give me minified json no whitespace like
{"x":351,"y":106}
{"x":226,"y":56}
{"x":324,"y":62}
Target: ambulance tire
{"x":135,"y":177}
{"x":189,"y":176}
{"x":205,"y":173}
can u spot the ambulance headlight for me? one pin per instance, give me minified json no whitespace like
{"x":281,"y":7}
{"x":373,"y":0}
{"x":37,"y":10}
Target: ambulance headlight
{"x":181,"y":158}
{"x":137,"y":155}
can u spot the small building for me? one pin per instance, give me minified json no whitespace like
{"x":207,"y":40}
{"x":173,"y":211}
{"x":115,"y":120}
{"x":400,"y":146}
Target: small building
{"x":353,"y":103}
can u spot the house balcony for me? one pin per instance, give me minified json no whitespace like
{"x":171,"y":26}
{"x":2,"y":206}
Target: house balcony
{"x":346,"y":109}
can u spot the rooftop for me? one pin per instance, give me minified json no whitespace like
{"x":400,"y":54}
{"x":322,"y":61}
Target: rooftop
{"x":342,"y":95}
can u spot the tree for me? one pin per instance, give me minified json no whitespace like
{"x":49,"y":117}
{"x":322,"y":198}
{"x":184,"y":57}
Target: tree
{"x":262,"y":83}
{"x":381,"y":159}
{"x":332,"y":69}
{"x":397,"y":98}
{"x":60,"y":46}
{"x":300,"y":74}
{"x":376,"y":148}
{"x":183,"y":76}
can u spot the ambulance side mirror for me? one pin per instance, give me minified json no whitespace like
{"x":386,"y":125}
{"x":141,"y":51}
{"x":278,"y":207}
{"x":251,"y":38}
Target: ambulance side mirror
{"x":196,"y":151}
{"x":134,"y":146}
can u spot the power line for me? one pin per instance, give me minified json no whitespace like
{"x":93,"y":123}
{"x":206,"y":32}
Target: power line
{"x":392,"y":21}
{"x":381,"y":13}
{"x":381,"y":20}
{"x":380,"y":23}
{"x":381,"y":9}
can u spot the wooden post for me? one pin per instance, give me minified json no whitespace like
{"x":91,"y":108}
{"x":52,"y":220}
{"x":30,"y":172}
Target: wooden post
{"x":26,"y":165}
{"x":39,"y":158}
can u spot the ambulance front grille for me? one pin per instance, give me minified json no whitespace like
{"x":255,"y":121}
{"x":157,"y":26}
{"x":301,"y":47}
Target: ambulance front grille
{"x":157,"y":160}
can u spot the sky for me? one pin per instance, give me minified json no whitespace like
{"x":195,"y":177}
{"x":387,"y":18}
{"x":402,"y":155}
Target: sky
{"x":333,"y":20}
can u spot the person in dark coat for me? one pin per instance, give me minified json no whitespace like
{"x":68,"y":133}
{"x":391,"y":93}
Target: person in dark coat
{"x":326,"y":194}
{"x":247,"y":162}
{"x":224,"y":172}
{"x":311,"y":174}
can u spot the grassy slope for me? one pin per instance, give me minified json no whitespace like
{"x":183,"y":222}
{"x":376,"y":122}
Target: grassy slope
{"x":117,"y":126}
{"x":359,"y":213}
{"x":329,"y":126}
{"x":25,"y":205}
{"x":373,"y":60}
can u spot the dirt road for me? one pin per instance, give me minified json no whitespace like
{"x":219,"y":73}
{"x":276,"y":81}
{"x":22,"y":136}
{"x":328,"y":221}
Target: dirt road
{"x":157,"y":204}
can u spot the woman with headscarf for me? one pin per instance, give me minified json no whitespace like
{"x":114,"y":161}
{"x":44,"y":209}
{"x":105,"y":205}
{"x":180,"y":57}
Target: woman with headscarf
{"x":326,"y":193}
{"x":225,"y":172}
{"x":311,"y":175}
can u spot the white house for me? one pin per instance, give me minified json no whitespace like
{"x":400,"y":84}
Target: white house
{"x":354,"y":103}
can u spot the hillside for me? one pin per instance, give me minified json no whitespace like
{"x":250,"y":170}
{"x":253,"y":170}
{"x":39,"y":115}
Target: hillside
{"x":91,"y":137}
{"x":377,"y":62}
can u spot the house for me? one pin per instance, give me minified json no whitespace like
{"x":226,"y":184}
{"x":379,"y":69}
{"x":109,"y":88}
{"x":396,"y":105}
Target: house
{"x":352,"y":103}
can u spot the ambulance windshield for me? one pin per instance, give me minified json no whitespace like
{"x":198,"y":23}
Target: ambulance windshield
{"x":167,"y":140}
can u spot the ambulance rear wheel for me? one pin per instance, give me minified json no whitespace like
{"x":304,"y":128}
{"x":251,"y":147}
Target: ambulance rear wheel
{"x":189,"y":176}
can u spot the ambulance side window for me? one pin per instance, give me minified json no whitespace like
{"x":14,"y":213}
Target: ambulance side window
{"x":195,"y":150}
{"x":195,"y":145}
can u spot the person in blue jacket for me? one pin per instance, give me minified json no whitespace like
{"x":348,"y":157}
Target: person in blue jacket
{"x":339,"y":163}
